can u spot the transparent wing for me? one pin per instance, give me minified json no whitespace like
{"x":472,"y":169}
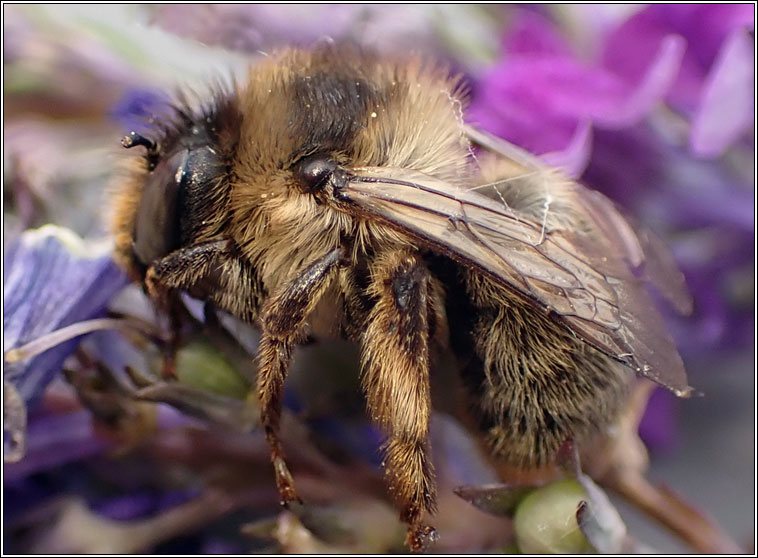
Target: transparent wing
{"x":563,"y":247}
{"x":645,"y":253}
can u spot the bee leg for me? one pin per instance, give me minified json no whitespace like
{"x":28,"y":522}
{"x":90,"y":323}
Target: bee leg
{"x":207,"y":270}
{"x":282,"y":319}
{"x":395,"y":358}
{"x":174,"y":339}
{"x":180,"y":270}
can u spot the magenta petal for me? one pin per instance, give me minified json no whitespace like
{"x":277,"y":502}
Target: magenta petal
{"x":629,"y":48}
{"x":518,"y":101}
{"x":575,"y":157}
{"x":658,"y":427}
{"x":725,"y":111}
{"x":531,"y":33}
{"x":654,"y":85}
{"x":538,"y":101}
{"x":705,"y":26}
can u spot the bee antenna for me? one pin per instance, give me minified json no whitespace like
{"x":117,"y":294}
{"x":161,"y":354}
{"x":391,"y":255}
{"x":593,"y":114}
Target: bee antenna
{"x":133,"y":139}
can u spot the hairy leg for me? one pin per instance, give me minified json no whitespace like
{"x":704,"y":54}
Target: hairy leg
{"x":282,"y":319}
{"x":208,"y":266}
{"x":395,"y":358}
{"x":183,"y":268}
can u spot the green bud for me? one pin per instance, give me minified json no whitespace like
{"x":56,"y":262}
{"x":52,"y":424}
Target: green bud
{"x":200,"y":365}
{"x":545,"y":521}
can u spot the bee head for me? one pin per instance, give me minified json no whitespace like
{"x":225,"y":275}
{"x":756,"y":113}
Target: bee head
{"x":184,"y":178}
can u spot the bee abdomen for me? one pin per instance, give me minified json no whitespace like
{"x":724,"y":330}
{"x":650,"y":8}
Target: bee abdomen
{"x":528,"y":422}
{"x":532,"y":384}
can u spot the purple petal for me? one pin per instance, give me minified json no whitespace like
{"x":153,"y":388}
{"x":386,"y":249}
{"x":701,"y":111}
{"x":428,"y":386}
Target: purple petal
{"x":56,"y":438}
{"x":575,"y":157}
{"x":704,"y":27}
{"x":658,"y":425}
{"x":52,"y":279}
{"x":131,"y":506}
{"x":142,"y":503}
{"x":138,"y":107}
{"x":726,"y":107}
{"x":654,"y":85}
{"x":53,"y":440}
{"x":629,"y":48}
{"x":538,"y":100}
{"x":532,"y":33}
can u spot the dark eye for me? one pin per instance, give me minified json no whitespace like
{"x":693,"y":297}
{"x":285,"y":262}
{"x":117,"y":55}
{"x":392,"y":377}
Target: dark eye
{"x":168,"y":196}
{"x":313,"y":171}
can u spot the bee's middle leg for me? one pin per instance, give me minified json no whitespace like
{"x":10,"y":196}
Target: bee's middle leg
{"x":395,"y":358}
{"x":282,"y":319}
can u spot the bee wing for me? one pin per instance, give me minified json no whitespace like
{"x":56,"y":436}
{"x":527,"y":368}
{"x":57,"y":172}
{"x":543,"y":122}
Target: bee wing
{"x":643,"y":249}
{"x":570,"y":271}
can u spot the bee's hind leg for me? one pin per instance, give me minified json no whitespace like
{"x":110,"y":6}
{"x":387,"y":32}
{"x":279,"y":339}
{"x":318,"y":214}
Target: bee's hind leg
{"x":395,"y":359}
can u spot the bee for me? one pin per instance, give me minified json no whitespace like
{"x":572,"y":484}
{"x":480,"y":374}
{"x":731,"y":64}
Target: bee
{"x":336,"y":184}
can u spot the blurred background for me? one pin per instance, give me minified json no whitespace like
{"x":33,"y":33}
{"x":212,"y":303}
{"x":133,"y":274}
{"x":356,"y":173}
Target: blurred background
{"x":652,"y":105}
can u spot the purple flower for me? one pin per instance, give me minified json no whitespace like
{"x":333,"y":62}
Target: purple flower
{"x":714,"y":85}
{"x":696,"y":58}
{"x":706,"y":29}
{"x":54,"y":439}
{"x":541,"y":95}
{"x":658,"y":427}
{"x":141,"y":503}
{"x":52,"y":279}
{"x":726,"y":108}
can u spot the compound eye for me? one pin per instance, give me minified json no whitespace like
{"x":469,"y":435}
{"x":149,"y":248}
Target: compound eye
{"x":313,"y":171}
{"x":169,"y":199}
{"x":156,"y":231}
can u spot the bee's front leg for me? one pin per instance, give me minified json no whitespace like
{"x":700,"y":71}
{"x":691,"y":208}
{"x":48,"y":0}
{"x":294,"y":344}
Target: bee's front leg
{"x":395,"y":358}
{"x":181,"y":270}
{"x":282,"y":319}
